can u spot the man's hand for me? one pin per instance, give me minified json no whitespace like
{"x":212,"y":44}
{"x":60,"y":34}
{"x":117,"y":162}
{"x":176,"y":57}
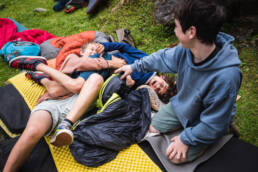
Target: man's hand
{"x":127,"y":69}
{"x":177,"y":150}
{"x":116,"y":63}
{"x":100,"y":49}
{"x":129,"y":81}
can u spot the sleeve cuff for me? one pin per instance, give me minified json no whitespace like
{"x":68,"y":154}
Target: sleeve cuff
{"x":133,"y":66}
{"x":184,"y":139}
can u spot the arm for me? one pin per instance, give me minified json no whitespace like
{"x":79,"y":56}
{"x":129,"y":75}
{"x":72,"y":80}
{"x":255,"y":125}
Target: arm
{"x":141,"y":77}
{"x":130,"y":54}
{"x":72,"y":85}
{"x":73,"y":63}
{"x":123,"y":48}
{"x":127,"y":52}
{"x":217,"y":115}
{"x":165,"y":60}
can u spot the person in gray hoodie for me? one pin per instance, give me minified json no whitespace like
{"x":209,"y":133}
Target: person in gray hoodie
{"x":208,"y":79}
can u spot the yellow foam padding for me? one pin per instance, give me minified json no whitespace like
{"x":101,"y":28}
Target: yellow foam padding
{"x":29,"y":90}
{"x":130,"y":159}
{"x":6,"y":130}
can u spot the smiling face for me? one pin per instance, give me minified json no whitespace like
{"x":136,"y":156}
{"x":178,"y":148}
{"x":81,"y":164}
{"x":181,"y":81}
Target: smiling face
{"x":89,"y":50}
{"x":159,"y":85}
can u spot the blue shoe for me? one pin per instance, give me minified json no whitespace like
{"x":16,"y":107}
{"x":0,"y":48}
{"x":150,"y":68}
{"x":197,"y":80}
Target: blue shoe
{"x":63,"y":135}
{"x":61,"y":4}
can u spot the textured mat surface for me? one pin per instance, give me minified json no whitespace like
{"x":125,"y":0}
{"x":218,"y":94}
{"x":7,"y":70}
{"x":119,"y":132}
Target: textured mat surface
{"x":28,"y":89}
{"x":40,"y":159}
{"x":161,"y":142}
{"x":130,"y":159}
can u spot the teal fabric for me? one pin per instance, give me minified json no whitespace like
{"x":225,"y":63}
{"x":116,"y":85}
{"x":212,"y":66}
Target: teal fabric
{"x":19,"y":26}
{"x":165,"y":120}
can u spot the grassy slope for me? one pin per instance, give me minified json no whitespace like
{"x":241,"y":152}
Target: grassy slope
{"x":138,"y":17}
{"x":247,"y":109}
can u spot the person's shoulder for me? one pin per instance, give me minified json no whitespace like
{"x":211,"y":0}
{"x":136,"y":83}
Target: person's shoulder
{"x":228,"y":77}
{"x":229,"y":73}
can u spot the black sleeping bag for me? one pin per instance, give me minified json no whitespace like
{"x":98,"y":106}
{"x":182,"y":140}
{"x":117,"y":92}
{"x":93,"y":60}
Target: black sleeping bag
{"x":14,"y":111}
{"x":98,"y":138}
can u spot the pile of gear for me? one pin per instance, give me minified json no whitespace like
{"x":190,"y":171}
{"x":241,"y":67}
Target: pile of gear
{"x":70,"y":6}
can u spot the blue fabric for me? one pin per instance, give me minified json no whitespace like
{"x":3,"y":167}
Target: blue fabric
{"x":60,"y":5}
{"x":206,"y":94}
{"x":129,"y":54}
{"x":19,"y":26}
{"x":86,"y":74}
{"x":19,"y":48}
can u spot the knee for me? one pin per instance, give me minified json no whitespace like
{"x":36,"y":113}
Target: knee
{"x":32,"y":133}
{"x":97,"y":79}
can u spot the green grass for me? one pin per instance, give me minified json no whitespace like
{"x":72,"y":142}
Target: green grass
{"x":150,"y":37}
{"x":247,"y":117}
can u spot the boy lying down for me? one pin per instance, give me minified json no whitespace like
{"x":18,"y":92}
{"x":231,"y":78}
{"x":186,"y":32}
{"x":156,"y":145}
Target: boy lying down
{"x":68,"y":97}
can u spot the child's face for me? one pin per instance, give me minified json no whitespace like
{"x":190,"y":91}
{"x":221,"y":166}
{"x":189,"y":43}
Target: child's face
{"x":89,"y":51}
{"x":159,"y":85}
{"x":181,"y":36}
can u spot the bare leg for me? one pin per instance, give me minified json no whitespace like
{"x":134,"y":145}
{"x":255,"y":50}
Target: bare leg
{"x":53,"y":88}
{"x":89,"y":92}
{"x":73,"y":85}
{"x":39,"y":123}
{"x":87,"y":96}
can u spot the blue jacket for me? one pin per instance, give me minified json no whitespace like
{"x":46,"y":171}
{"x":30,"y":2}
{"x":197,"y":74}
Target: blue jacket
{"x":206,"y":94}
{"x":129,"y":54}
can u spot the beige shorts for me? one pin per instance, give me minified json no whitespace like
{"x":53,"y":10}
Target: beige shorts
{"x":58,"y":109}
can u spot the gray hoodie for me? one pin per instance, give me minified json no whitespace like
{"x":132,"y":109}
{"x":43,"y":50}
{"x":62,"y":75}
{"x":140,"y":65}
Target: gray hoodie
{"x":206,"y":94}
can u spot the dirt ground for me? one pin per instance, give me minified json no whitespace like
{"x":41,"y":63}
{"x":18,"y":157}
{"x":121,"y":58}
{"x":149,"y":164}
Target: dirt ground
{"x":245,"y":31}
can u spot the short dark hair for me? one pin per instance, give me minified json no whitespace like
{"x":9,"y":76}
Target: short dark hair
{"x":172,"y":90}
{"x":206,"y":15}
